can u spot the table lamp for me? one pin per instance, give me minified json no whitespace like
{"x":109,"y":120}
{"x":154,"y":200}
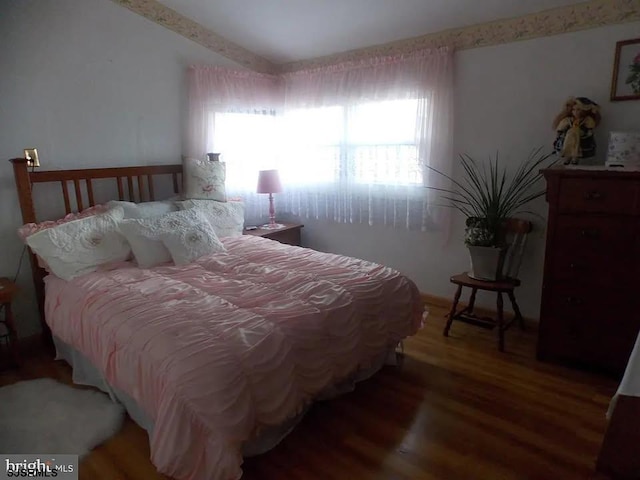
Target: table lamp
{"x":269,"y":182}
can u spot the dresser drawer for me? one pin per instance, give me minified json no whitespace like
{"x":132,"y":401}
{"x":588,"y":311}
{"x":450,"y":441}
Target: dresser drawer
{"x":594,"y":249}
{"x":590,"y":270}
{"x":599,"y":343}
{"x":590,"y":195}
{"x":599,"y":235}
{"x":581,"y":316}
{"x":575,"y":302}
{"x":592,"y":329}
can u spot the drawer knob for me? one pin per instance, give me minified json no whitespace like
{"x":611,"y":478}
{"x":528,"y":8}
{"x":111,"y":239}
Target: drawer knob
{"x":593,"y":195}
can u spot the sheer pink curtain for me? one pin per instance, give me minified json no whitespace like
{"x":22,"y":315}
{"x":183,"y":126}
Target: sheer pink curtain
{"x":216,"y":89}
{"x":409,"y":75}
{"x":233,"y":112}
{"x":380,"y":177}
{"x":352,"y":141}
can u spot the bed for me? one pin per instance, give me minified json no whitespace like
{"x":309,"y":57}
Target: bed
{"x":223,"y":355}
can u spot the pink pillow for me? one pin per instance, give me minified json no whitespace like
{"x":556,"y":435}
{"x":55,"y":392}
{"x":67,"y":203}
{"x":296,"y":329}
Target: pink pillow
{"x":31,"y":228}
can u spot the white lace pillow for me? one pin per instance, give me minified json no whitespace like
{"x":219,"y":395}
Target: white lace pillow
{"x":81,"y":246}
{"x":143,"y":234}
{"x":144,"y":209}
{"x":188,"y":235}
{"x":227,"y":219}
{"x":204,"y":179}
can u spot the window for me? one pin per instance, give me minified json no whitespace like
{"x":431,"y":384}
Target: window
{"x":248,"y":143}
{"x":351,"y":142}
{"x":367,"y":143}
{"x":312,"y":145}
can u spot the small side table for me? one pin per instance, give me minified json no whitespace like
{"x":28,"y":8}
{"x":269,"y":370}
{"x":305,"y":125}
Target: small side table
{"x":8,"y":335}
{"x":289,"y":234}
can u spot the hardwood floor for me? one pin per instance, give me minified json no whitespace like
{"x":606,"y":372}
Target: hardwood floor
{"x":455,"y":409}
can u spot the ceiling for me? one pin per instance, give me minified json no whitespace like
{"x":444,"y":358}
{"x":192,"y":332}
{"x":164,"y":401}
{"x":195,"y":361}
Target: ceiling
{"x":290,"y":30}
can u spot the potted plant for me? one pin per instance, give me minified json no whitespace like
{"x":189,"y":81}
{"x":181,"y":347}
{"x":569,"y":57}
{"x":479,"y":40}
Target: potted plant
{"x":488,"y":197}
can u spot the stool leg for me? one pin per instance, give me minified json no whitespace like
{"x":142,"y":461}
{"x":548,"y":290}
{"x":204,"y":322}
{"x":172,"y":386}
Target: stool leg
{"x":516,"y":310}
{"x":456,"y":299}
{"x":500,"y":323}
{"x":472,"y":300}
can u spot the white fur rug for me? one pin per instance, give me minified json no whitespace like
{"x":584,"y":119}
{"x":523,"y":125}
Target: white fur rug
{"x":47,"y":417}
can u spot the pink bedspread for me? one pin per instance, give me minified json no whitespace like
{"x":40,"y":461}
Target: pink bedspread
{"x":219,"y":348}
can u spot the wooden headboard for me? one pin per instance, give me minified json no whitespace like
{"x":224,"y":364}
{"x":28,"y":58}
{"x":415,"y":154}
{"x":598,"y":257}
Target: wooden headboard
{"x":136,"y":182}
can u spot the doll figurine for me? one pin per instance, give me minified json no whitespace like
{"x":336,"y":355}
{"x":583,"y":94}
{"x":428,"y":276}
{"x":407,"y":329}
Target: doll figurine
{"x":574,"y":130}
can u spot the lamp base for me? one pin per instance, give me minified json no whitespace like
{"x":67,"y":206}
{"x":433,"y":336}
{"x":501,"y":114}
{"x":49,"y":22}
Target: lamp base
{"x":272,"y":226}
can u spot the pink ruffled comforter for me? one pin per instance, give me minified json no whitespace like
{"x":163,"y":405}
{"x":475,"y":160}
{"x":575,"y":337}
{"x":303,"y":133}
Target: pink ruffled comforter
{"x":217,"y":349}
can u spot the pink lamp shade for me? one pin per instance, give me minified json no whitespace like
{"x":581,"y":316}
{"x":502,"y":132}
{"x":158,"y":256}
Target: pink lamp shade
{"x":269,"y":182}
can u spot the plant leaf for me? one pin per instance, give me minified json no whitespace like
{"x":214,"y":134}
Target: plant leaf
{"x":488,"y":192}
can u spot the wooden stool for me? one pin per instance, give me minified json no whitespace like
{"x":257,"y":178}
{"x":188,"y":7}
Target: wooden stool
{"x":466,"y":314}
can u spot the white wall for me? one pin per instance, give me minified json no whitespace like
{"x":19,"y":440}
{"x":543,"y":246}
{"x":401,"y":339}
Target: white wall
{"x":506,"y":98}
{"x":90,"y":84}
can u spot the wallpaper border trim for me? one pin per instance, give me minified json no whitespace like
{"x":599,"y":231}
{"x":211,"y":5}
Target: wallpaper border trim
{"x":555,"y":21}
{"x":178,"y":23}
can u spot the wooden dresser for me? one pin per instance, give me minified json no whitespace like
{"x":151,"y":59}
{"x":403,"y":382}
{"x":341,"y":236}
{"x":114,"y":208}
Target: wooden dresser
{"x":590,"y":298}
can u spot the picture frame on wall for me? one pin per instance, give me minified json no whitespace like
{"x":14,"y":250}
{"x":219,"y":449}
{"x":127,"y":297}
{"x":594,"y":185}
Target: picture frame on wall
{"x":625,"y":84}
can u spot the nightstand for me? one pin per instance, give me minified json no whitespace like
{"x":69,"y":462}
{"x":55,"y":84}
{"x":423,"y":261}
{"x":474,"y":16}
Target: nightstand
{"x":289,"y":234}
{"x":8,"y":335}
